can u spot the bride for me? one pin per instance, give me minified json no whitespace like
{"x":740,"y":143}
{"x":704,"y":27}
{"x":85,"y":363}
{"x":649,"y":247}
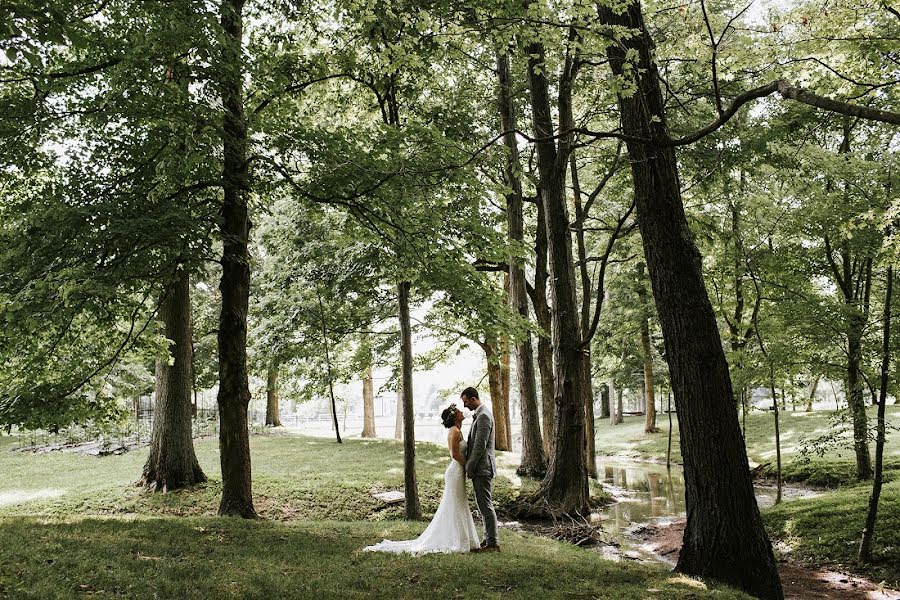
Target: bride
{"x":452,"y":529}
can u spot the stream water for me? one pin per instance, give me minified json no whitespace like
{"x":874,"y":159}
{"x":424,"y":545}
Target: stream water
{"x":648,"y":493}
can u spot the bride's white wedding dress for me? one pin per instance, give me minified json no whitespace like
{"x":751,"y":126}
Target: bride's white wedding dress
{"x":452,"y":529}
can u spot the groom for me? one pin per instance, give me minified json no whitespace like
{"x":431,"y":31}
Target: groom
{"x":480,"y":465}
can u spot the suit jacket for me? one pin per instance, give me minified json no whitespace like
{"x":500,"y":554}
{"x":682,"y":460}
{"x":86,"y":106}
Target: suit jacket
{"x":480,"y":445}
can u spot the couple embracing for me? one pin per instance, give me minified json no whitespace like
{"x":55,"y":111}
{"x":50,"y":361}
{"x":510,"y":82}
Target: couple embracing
{"x":453,"y":529}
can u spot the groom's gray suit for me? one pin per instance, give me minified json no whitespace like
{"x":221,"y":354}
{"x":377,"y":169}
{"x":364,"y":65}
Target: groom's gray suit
{"x":481,"y":467}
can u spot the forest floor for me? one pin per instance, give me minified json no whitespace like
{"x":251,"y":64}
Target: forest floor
{"x":812,"y":533}
{"x":74,"y":526}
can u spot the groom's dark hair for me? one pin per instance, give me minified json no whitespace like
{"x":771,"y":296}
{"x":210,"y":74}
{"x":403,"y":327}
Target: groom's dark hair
{"x":470,"y":392}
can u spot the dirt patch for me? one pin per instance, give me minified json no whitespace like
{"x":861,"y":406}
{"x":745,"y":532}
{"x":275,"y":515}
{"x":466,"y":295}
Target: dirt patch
{"x":799,"y":581}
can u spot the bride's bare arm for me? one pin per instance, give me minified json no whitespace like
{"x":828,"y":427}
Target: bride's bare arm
{"x":453,"y":438}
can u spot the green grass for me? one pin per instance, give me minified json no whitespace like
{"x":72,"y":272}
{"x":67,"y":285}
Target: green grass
{"x":76,"y":526}
{"x":204,"y":557}
{"x":834,"y":467}
{"x":826,"y":530}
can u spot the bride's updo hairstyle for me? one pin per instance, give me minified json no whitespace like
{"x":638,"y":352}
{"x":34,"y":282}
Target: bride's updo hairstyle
{"x":448,"y":417}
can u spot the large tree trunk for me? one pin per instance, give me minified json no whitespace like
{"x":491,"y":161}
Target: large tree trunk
{"x":368,"y":405}
{"x":172,"y":463}
{"x":495,"y":385}
{"x":724,"y":537}
{"x":565,"y":487}
{"x":533,"y":461}
{"x":865,"y":546}
{"x":234,"y":389}
{"x":410,"y":487}
{"x":273,"y":410}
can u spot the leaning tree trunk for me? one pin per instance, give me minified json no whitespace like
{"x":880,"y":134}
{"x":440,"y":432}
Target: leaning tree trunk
{"x":273,"y":410}
{"x":812,"y":394}
{"x":505,"y":381}
{"x":368,"y":405}
{"x":565,"y":487}
{"x":410,"y":487}
{"x":172,"y":463}
{"x":724,"y":538}
{"x":234,"y":389}
{"x":533,"y":462}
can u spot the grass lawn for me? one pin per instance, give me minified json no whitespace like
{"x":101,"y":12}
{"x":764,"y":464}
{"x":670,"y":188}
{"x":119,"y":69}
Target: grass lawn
{"x":75,"y":526}
{"x":836,"y":466}
{"x":826,"y":530}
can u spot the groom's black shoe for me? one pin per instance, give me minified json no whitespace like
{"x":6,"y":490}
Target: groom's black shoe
{"x":489,"y":548}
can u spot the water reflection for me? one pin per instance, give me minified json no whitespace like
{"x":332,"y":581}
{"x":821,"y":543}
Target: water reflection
{"x":643,"y":492}
{"x":646,"y":492}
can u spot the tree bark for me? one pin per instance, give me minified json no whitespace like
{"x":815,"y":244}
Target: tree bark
{"x":604,"y":401}
{"x":398,"y":422}
{"x":724,"y":537}
{"x":533,"y":462}
{"x":172,"y":463}
{"x":273,"y":410}
{"x":812,"y":394}
{"x":865,"y":546}
{"x":234,"y":390}
{"x":586,"y":295}
{"x":565,"y":487}
{"x":410,"y":487}
{"x":502,"y":438}
{"x":368,"y":405}
{"x":545,"y":345}
{"x":649,"y":396}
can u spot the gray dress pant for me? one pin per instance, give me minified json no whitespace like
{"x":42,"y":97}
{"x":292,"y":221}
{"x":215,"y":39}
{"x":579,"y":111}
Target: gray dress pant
{"x":482,"y":487}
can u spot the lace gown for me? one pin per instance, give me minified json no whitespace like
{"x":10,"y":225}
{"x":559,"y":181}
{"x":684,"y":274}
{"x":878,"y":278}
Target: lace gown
{"x":452,"y":529}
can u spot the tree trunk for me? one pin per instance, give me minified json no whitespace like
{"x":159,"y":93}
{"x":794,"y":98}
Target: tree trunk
{"x":545,"y":345}
{"x":234,"y":389}
{"x":589,"y":432}
{"x":604,"y":400}
{"x":565,"y":487}
{"x":724,"y":538}
{"x":495,"y":385}
{"x":328,"y":372}
{"x":533,"y":462}
{"x":865,"y":546}
{"x":812,"y":394}
{"x":410,"y":488}
{"x":669,"y":447}
{"x":273,"y":411}
{"x":398,"y":423}
{"x":615,"y":410}
{"x":856,"y":397}
{"x":172,"y":463}
{"x":649,"y":396}
{"x":368,"y":405}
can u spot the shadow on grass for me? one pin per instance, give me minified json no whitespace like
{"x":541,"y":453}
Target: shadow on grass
{"x":51,"y":558}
